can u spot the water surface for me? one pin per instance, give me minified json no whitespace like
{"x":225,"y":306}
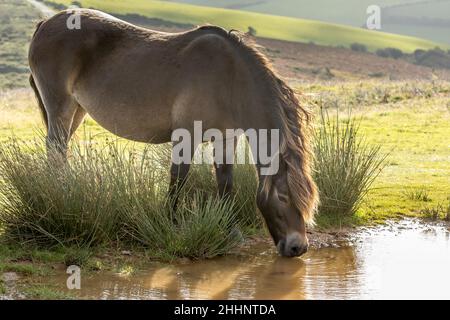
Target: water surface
{"x":407,"y":259}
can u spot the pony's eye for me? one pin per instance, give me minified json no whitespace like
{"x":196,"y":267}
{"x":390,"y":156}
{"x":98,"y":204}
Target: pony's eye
{"x":283,"y":198}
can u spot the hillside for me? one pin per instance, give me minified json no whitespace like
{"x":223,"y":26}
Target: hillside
{"x":267,"y":26}
{"x":428,"y":19}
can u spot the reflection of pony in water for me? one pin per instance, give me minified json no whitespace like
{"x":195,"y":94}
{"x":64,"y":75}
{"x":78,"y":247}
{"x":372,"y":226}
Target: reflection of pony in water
{"x":142,"y":85}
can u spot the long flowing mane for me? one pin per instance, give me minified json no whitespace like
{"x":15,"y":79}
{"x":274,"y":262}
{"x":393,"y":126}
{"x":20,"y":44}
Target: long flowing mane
{"x":295,"y":150}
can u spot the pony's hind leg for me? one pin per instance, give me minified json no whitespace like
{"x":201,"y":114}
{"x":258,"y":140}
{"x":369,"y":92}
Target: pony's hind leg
{"x":60,"y":114}
{"x":77,"y":120}
{"x":224,"y":177}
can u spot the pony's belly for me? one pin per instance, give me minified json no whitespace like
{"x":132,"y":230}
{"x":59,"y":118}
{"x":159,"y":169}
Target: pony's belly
{"x":147,"y":134}
{"x":142,"y":124}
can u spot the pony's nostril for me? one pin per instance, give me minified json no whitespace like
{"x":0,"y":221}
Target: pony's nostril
{"x":295,"y":250}
{"x":298,"y":250}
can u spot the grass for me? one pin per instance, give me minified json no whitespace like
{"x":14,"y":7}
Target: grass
{"x":438,"y":212}
{"x":408,"y":120}
{"x":409,"y":127}
{"x":116,"y":192}
{"x":418,"y":194}
{"x":353,"y":12}
{"x":349,"y":12}
{"x":24,"y":269}
{"x":46,"y":292}
{"x":345,"y":165}
{"x":2,"y":287}
{"x":203,"y":228}
{"x":120,"y":187}
{"x":268,"y":26}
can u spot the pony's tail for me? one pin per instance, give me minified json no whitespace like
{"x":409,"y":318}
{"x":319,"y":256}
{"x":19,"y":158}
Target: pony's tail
{"x":35,"y":89}
{"x":39,"y":99}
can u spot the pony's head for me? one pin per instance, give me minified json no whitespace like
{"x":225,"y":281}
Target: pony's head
{"x":284,"y":219}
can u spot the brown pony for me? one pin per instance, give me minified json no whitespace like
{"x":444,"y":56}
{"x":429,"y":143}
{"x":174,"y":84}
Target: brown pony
{"x":142,"y":84}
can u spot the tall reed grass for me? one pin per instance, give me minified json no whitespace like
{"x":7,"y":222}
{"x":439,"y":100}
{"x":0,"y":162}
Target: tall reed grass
{"x":108,"y":191}
{"x":346,"y":165}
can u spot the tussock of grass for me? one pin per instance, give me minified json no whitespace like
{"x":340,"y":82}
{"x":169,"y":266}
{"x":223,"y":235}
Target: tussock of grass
{"x":440,"y":211}
{"x":346,"y":165}
{"x":75,"y":204}
{"x":46,"y":292}
{"x":2,"y":287}
{"x":201,"y":227}
{"x":417,"y":194}
{"x":108,"y":192}
{"x":24,"y":269}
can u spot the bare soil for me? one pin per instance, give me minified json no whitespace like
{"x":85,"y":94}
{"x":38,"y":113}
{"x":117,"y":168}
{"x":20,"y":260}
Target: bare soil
{"x":308,"y":62}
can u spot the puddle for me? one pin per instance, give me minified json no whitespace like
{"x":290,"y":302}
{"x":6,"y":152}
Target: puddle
{"x":407,"y":259}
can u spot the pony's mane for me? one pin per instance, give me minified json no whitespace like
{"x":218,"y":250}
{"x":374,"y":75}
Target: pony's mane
{"x":295,"y":150}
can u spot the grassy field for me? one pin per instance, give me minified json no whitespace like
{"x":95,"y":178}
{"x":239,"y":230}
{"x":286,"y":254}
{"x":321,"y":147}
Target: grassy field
{"x":350,"y":12}
{"x":353,"y":12}
{"x":409,"y":120}
{"x":268,"y":26}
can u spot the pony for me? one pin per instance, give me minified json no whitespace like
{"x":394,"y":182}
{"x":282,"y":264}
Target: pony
{"x":143,"y":85}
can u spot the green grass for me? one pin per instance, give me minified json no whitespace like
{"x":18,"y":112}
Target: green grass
{"x":438,"y":212}
{"x":410,"y":125}
{"x":269,"y":26}
{"x":24,"y":269}
{"x":345,"y":164}
{"x":46,"y":292}
{"x":408,"y":119}
{"x":351,"y":12}
{"x":203,"y":228}
{"x":2,"y":287}
{"x":115,"y":191}
{"x":418,"y":194}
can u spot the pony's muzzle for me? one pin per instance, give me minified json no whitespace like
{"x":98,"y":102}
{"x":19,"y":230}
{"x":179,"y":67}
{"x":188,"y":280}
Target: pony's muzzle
{"x":294,"y":245}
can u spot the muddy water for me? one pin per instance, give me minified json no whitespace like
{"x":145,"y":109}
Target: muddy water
{"x":400,"y":260}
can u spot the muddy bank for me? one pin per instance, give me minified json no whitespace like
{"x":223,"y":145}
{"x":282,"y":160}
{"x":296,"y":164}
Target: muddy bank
{"x":318,"y":239}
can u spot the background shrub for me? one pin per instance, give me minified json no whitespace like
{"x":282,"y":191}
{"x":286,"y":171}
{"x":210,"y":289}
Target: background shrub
{"x":358,"y":47}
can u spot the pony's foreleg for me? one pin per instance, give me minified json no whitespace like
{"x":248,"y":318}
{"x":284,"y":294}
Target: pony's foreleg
{"x":178,"y":174}
{"x":224,"y":177}
{"x":224,"y":171}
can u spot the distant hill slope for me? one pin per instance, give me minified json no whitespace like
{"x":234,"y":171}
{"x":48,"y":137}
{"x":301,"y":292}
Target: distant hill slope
{"x":268,"y":26}
{"x":349,"y":12}
{"x":429,"y":19}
